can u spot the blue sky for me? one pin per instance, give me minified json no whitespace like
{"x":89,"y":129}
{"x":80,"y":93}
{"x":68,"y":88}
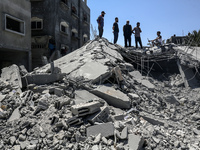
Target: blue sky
{"x":168,"y":16}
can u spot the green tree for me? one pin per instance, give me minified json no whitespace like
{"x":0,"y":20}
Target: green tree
{"x":194,"y":38}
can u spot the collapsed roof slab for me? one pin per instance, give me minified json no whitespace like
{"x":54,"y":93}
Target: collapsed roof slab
{"x":113,"y":97}
{"x":90,"y":63}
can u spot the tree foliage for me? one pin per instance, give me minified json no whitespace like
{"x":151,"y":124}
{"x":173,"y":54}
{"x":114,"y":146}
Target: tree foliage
{"x":194,"y":38}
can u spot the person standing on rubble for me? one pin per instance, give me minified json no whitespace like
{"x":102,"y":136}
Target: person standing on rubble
{"x":137,"y":32}
{"x":115,"y":30}
{"x":127,"y":29}
{"x":100,"y":21}
{"x":157,"y":41}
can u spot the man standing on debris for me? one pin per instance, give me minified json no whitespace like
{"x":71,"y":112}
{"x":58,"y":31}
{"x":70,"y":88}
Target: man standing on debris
{"x":157,"y":41}
{"x":127,"y":29}
{"x":100,"y":21}
{"x":137,"y":32}
{"x":115,"y":30}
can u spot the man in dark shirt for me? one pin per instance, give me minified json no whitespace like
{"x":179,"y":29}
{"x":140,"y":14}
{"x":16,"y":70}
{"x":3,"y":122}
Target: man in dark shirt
{"x":115,"y":30}
{"x":100,"y":21}
{"x":127,"y":29}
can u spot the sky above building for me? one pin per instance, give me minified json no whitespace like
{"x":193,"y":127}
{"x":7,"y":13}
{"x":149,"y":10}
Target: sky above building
{"x":168,"y":16}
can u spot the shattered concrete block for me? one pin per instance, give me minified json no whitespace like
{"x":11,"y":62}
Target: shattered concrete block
{"x":15,"y":115}
{"x":101,"y":116}
{"x":106,"y":130}
{"x":12,"y":75}
{"x":140,"y":79}
{"x":2,"y":97}
{"x":82,"y":96}
{"x":42,"y":105}
{"x":171,"y":99}
{"x":40,"y":79}
{"x":113,"y":97}
{"x":122,"y":135}
{"x":135,"y":142}
{"x":59,"y":92}
{"x":85,"y":108}
{"x":74,"y":121}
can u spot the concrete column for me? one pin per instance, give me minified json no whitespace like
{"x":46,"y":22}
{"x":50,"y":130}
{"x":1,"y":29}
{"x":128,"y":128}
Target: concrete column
{"x":29,"y":60}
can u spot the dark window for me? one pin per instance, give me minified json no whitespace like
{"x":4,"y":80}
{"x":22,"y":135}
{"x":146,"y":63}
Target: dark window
{"x":74,"y":10}
{"x":63,"y":28}
{"x":36,"y":25}
{"x":12,"y":24}
{"x":84,"y":17}
{"x":65,"y":1}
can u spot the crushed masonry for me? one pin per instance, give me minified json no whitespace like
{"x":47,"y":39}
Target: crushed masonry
{"x":104,"y":96}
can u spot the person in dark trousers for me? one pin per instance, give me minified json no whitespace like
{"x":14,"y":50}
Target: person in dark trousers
{"x":137,"y":32}
{"x":115,"y":30}
{"x":100,"y":21}
{"x":127,"y":29}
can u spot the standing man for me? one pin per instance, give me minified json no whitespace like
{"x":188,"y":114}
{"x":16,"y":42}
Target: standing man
{"x":100,"y":22}
{"x":137,"y":32}
{"x":127,"y":29}
{"x":115,"y":30}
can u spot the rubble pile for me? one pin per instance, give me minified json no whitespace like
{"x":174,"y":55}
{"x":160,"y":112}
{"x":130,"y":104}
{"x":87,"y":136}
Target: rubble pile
{"x":93,"y":99}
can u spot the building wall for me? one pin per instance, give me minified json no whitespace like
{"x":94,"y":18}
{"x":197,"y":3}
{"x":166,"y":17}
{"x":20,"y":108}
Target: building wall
{"x":13,"y":42}
{"x":53,"y":12}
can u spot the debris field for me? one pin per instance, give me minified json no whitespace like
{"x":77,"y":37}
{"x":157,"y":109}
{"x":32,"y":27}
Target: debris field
{"x":92,"y":99}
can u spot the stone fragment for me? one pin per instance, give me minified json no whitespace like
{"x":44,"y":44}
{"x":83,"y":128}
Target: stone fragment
{"x":113,"y":97}
{"x":2,"y":97}
{"x":104,"y":140}
{"x":31,"y":147}
{"x":85,"y":108}
{"x":122,"y":135}
{"x":97,"y":139}
{"x":95,"y":147}
{"x":135,"y":142}
{"x":171,"y":99}
{"x":12,"y":75}
{"x":15,"y":115}
{"x":106,"y":130}
{"x":12,"y":140}
{"x":42,"y":105}
{"x":22,"y":137}
{"x":59,"y":92}
{"x":17,"y":147}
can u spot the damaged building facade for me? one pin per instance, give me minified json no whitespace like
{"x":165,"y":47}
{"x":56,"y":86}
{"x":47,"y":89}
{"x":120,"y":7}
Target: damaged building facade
{"x":63,"y":23}
{"x":15,"y":31}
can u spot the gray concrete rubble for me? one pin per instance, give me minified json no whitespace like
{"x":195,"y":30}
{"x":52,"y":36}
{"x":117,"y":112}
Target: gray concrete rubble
{"x":103,"y":97}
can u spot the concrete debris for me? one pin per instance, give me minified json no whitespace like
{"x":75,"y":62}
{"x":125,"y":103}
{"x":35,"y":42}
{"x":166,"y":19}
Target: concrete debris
{"x":95,"y":98}
{"x":135,"y":142}
{"x":106,"y":130}
{"x":85,"y":109}
{"x":113,"y":97}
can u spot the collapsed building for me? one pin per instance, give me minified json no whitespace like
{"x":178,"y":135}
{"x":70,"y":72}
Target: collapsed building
{"x":103,"y":96}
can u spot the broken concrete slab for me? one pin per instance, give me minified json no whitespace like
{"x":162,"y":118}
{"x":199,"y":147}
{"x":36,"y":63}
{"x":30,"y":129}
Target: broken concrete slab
{"x":86,"y":108}
{"x":140,"y":79}
{"x":92,"y":71}
{"x":82,"y":96}
{"x":40,"y":79}
{"x":101,"y":116}
{"x":106,"y":130}
{"x":135,"y":142}
{"x":2,"y":97}
{"x":113,"y":97}
{"x":15,"y":115}
{"x":11,"y":74}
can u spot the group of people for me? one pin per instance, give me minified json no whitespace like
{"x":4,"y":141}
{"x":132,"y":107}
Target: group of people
{"x":128,"y":31}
